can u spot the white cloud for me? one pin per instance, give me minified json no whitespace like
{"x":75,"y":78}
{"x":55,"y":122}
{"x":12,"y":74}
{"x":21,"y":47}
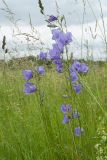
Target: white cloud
{"x":96,"y":46}
{"x":73,"y":12}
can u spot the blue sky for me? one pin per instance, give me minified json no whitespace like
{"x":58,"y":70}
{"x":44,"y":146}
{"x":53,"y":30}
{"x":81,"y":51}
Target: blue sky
{"x":73,"y":11}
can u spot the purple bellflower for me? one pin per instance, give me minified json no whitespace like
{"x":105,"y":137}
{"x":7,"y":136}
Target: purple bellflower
{"x":28,"y":74}
{"x":84,"y":68}
{"x":73,"y":74}
{"x":43,"y":56}
{"x":66,"y":119}
{"x":52,"y":18}
{"x":61,"y":38}
{"x":78,"y":131}
{"x":77,"y":88}
{"x":55,"y":52}
{"x":59,"y":68}
{"x":56,"y":33}
{"x":80,"y":67}
{"x":59,"y":65}
{"x":30,"y":88}
{"x":41,"y":70}
{"x":65,"y":108}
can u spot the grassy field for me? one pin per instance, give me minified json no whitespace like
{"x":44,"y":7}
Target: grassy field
{"x":31,"y":125}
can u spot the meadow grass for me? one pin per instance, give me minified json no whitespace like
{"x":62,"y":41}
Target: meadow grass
{"x":31,"y":125}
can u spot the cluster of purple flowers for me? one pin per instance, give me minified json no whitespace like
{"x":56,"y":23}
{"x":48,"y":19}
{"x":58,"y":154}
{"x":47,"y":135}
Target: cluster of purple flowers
{"x":55,"y":53}
{"x":76,"y":69}
{"x":69,"y":115}
{"x":29,"y":87}
{"x":61,"y":40}
{"x":28,"y":74}
{"x":43,"y":56}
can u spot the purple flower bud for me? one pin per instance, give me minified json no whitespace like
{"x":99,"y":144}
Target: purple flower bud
{"x":52,"y":18}
{"x":78,"y":131}
{"x":28,"y":74}
{"x":66,"y":108}
{"x":68,"y":38}
{"x":84,"y":68}
{"x":77,"y":88}
{"x":43,"y":56}
{"x":73,"y":74}
{"x":30,"y":88}
{"x":59,"y":68}
{"x":41,"y":70}
{"x":66,"y":119}
{"x":56,"y":33}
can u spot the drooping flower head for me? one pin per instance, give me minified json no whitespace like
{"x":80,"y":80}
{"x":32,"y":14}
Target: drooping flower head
{"x":84,"y":68}
{"x":77,"y":88}
{"x":52,"y":18}
{"x":78,"y":131}
{"x":61,"y":38}
{"x":59,"y":65}
{"x":59,"y":68}
{"x":80,"y":67}
{"x":55,"y":52}
{"x":43,"y":56}
{"x":66,"y":119}
{"x":28,"y":74}
{"x":73,"y":74}
{"x":41,"y":70}
{"x":30,"y":88}
{"x":56,"y":33}
{"x":65,"y":108}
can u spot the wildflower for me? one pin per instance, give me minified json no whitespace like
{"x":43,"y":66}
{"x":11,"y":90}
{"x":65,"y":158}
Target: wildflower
{"x":56,"y":47}
{"x":41,"y":70}
{"x":74,"y":76}
{"x":78,"y":131}
{"x":61,"y":38}
{"x":66,"y":119}
{"x":77,"y":88}
{"x":43,"y":56}
{"x":55,"y":52}
{"x":59,"y":68}
{"x":80,"y":67}
{"x":56,"y":33}
{"x":30,"y":88}
{"x":67,"y":38}
{"x":52,"y":18}
{"x":84,"y":68}
{"x":64,"y":39}
{"x":66,"y":108}
{"x":76,"y":114}
{"x":54,"y":55}
{"x":28,"y":74}
{"x":57,"y":61}
{"x":59,"y":65}
{"x":76,"y":66}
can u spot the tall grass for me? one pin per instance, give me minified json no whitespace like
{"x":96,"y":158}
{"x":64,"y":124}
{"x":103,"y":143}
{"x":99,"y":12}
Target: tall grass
{"x":33,"y":131}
